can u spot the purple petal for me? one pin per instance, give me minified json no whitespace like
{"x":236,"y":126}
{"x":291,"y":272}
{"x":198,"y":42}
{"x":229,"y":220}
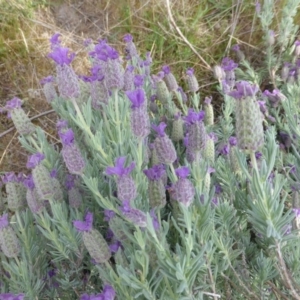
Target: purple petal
{"x":160,"y":129}
{"x":109,"y":293}
{"x":182,"y":172}
{"x":166,"y":70}
{"x":4,"y":221}
{"x":34,"y":160}
{"x":13,"y":103}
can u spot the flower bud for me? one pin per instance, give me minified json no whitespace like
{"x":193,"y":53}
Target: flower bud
{"x":162,"y":92}
{"x":209,"y":112}
{"x":164,"y":147}
{"x":128,"y":78}
{"x":9,"y":242}
{"x":126,"y":188}
{"x":16,"y":193}
{"x":192,"y":81}
{"x":71,"y":153}
{"x":156,"y":188}
{"x":169,"y":79}
{"x":209,"y":149}
{"x":196,"y":130}
{"x":177,"y":129}
{"x":99,"y":94}
{"x":18,"y":116}
{"x":135,"y":216}
{"x":219,"y":73}
{"x":67,"y":81}
{"x":183,"y":189}
{"x":116,"y":224}
{"x":96,"y":246}
{"x":49,"y":89}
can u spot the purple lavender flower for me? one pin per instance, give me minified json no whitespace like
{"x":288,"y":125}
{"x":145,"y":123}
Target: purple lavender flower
{"x":156,"y":172}
{"x":71,"y":153}
{"x":182,"y":94}
{"x":258,"y":155}
{"x":297,"y":212}
{"x":13,"y":103}
{"x":160,"y":129}
{"x":48,"y":88}
{"x":109,"y":214}
{"x":9,"y":242}
{"x":139,"y":80}
{"x":130,"y":49}
{"x":136,"y":216}
{"x":192,"y":80}
{"x":68,"y":84}
{"x":224,"y":149}
{"x":126,"y":189}
{"x":136,"y":97}
{"x":244,"y":89}
{"x":232,"y":141}
{"x":10,"y":296}
{"x":275,"y":97}
{"x":183,"y":189}
{"x":108,"y":293}
{"x":182,"y":172}
{"x":67,"y":137}
{"x":47,"y":79}
{"x":4,"y":221}
{"x":114,"y":247}
{"x":108,"y":57}
{"x":169,"y":79}
{"x":119,"y":168}
{"x":129,"y":78}
{"x":91,"y":297}
{"x":18,"y":116}
{"x":28,"y":182}
{"x":85,"y":225}
{"x":196,"y":130}
{"x":54,"y":40}
{"x":164,"y":147}
{"x":156,"y":188}
{"x":61,"y":55}
{"x":262,"y":107}
{"x":9,"y":177}
{"x":34,"y":160}
{"x":61,"y":124}
{"x":194,"y":117}
{"x":235,"y":47}
{"x":218,"y":189}
{"x":228,"y":64}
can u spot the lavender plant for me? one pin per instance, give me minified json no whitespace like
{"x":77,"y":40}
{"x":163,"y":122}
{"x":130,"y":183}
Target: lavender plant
{"x":204,"y":206}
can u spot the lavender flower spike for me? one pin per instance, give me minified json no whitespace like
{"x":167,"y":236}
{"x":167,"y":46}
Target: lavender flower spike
{"x":68,"y":83}
{"x":85,"y":225}
{"x":156,"y":188}
{"x":244,"y":89}
{"x":126,"y":189}
{"x":93,"y":240}
{"x":164,"y":147}
{"x":18,"y":116}
{"x":71,"y":153}
{"x":183,"y":189}
{"x":134,"y":215}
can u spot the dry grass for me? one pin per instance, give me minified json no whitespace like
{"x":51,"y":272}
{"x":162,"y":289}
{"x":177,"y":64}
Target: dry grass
{"x":189,"y":34}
